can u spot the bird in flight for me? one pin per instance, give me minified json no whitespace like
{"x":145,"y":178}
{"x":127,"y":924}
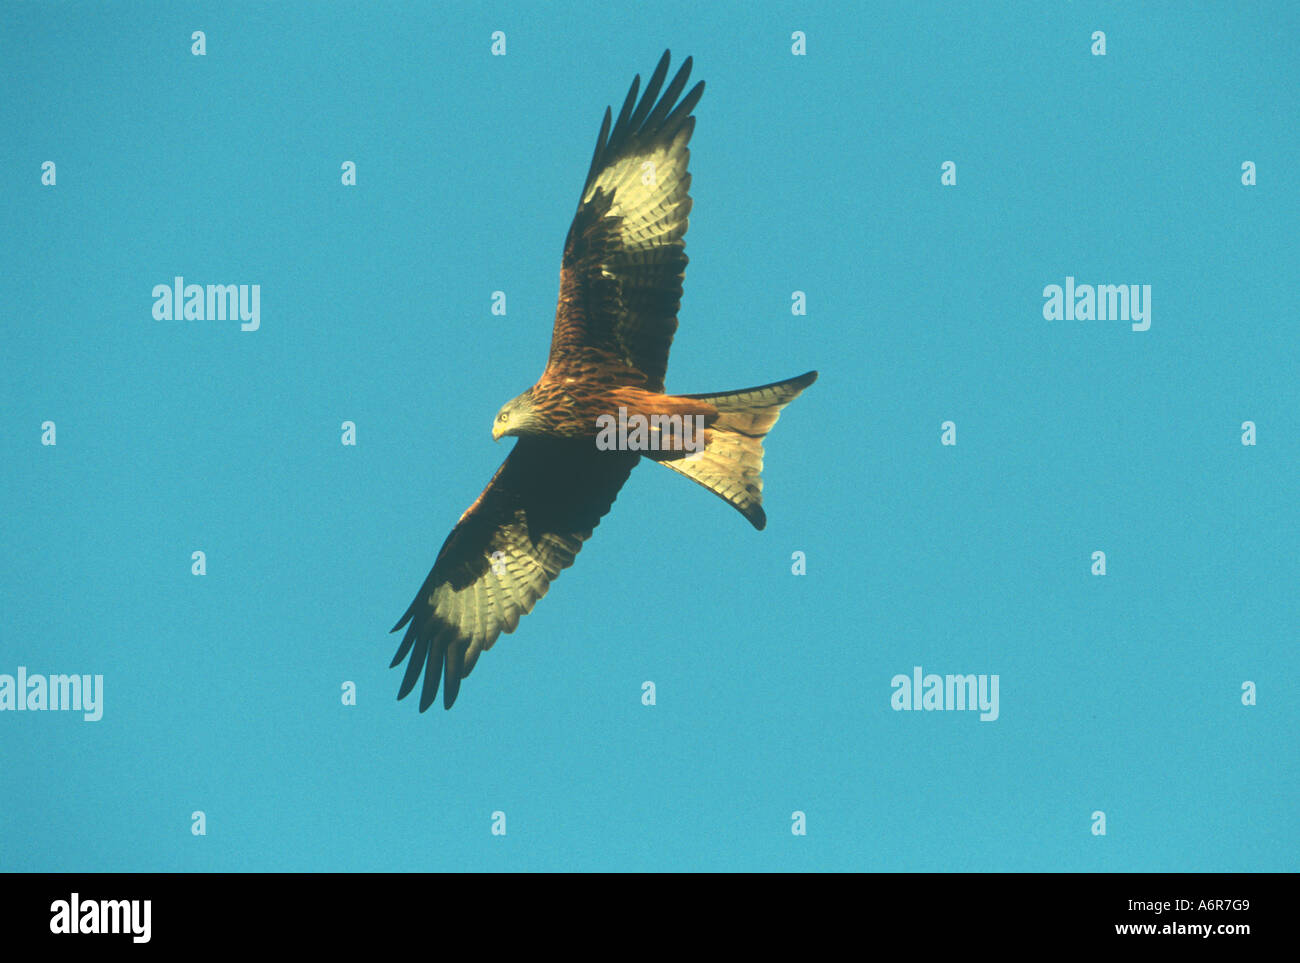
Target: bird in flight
{"x":620,"y":289}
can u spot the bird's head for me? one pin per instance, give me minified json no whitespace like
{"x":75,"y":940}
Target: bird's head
{"x":516,"y":417}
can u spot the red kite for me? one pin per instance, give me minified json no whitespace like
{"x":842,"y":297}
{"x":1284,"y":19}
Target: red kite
{"x":620,"y":288}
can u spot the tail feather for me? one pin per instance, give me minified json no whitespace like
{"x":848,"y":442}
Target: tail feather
{"x":731,"y":464}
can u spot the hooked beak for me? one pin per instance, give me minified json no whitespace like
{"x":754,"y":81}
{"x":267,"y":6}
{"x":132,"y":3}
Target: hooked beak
{"x":497,"y":431}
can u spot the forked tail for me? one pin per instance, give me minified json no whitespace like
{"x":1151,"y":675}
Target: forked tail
{"x":731,"y":464}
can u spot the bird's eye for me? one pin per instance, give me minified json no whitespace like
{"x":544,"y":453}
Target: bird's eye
{"x":503,"y":417}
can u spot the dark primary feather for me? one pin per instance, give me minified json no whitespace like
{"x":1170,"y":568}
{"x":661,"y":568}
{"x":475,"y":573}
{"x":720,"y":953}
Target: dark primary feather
{"x":625,"y":254}
{"x":541,"y":505}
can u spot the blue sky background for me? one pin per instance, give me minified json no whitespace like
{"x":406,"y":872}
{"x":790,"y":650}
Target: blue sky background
{"x":818,"y":173}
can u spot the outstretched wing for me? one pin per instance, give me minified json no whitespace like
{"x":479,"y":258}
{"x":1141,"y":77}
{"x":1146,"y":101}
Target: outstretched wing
{"x":529,"y":523}
{"x":624,"y":258}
